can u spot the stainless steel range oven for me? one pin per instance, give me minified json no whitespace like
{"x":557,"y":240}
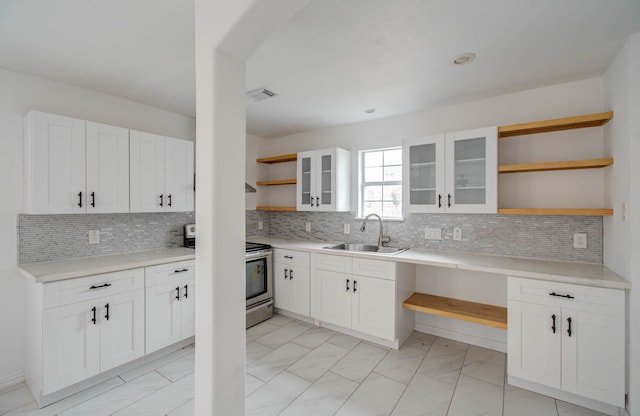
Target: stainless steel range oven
{"x":259,"y":283}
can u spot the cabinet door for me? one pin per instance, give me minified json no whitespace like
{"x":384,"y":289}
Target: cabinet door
{"x":472,"y":171}
{"x":163,"y":320}
{"x":121,"y":329}
{"x":593,"y":356}
{"x":325,"y":179}
{"x":533,"y":345}
{"x":299,"y":281}
{"x":179,"y":174}
{"x":54,"y":164}
{"x":423,"y":165}
{"x":71,"y":345}
{"x":306,"y":166}
{"x":188,"y":308}
{"x":335,"y":297}
{"x":146,"y":168}
{"x":281,"y":287}
{"x":107,"y":168}
{"x":374,"y":306}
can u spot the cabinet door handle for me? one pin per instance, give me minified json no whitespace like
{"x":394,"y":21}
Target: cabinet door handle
{"x":186,"y":291}
{"x":80,"y":199}
{"x":100,"y":286}
{"x":569,"y":328}
{"x":553,"y":323}
{"x":439,"y":200}
{"x":288,"y":257}
{"x":347,"y":285}
{"x":561,"y":296}
{"x":181,"y":270}
{"x":355,"y":286}
{"x":94,"y":315}
{"x":178,"y":293}
{"x":311,"y":201}
{"x":107,"y":308}
{"x":449,"y":200}
{"x":169,"y":200}
{"x":93,"y":199}
{"x":285,"y":274}
{"x":290,"y":274}
{"x":161,"y":200}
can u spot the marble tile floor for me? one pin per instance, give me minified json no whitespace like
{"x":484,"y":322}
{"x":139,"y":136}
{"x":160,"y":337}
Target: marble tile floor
{"x":297,"y":369}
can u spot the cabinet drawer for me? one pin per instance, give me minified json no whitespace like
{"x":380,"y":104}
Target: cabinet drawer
{"x":291,"y":257}
{"x":577,"y":297}
{"x":332,"y":263}
{"x":166,"y":273}
{"x":91,"y":287}
{"x":374,"y":268}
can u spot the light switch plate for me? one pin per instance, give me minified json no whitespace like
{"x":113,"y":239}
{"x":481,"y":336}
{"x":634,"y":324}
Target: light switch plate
{"x":260,"y":225}
{"x":94,"y":236}
{"x":307,"y":227}
{"x":457,"y":234}
{"x":580,"y":240}
{"x":433,"y":233}
{"x":347,"y":229}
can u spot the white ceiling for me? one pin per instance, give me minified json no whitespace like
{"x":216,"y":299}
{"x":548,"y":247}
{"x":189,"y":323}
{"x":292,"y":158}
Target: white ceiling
{"x":331,"y":61}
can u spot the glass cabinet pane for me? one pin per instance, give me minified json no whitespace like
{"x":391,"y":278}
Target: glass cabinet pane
{"x":305,"y":187}
{"x":326,"y":180}
{"x":422,"y":171}
{"x":470,"y":171}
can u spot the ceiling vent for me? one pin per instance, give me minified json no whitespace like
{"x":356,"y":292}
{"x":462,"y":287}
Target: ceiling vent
{"x":260,"y":94}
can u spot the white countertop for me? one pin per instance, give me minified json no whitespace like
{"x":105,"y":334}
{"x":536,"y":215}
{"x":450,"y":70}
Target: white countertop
{"x":53,"y":271}
{"x":590,"y":274}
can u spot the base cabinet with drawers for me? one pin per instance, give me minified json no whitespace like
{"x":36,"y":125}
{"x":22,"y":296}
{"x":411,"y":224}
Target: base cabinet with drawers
{"x":291,"y":281}
{"x":568,"y":337}
{"x":170,"y":303}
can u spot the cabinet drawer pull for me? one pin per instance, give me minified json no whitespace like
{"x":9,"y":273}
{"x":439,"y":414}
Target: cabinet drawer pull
{"x":80,"y":199}
{"x":93,"y":199}
{"x":561,"y":296}
{"x":94,"y":315}
{"x":288,"y":257}
{"x":107,"y":308}
{"x":100,"y":286}
{"x":449,"y":200}
{"x":285,"y":274}
{"x":169,"y":196}
{"x":553,"y":324}
{"x":569,"y":328}
{"x":161,"y":200}
{"x":178,"y":293}
{"x":180,"y":270}
{"x":186,"y":291}
{"x":347,"y":285}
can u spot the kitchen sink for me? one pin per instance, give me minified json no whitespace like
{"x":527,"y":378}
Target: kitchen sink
{"x":367,"y":248}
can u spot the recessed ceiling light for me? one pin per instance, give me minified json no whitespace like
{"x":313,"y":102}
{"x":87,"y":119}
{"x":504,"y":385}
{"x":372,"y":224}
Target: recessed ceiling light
{"x":370,"y":110}
{"x":463,"y":58}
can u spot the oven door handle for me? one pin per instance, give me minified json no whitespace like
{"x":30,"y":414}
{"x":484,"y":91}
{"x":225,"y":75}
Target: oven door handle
{"x":257,"y":255}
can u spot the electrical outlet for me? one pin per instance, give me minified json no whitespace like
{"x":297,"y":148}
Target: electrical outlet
{"x":433,"y":233}
{"x":457,"y":234}
{"x":347,"y":229}
{"x":260,"y":225}
{"x":307,"y":227}
{"x":94,"y":236}
{"x":580,"y":240}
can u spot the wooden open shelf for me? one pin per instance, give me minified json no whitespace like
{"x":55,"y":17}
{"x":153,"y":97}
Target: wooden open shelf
{"x":566,"y":165}
{"x":292,"y":157}
{"x":278,"y":182}
{"x":593,"y":212}
{"x":264,"y":208}
{"x":565,"y":123}
{"x":478,"y":313}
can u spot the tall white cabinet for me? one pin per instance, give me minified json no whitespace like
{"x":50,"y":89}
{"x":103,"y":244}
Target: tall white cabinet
{"x":453,"y":172}
{"x":323,"y":180}
{"x":72,"y":166}
{"x":162,"y":173}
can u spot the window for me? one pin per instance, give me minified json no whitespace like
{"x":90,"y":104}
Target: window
{"x":381,"y":183}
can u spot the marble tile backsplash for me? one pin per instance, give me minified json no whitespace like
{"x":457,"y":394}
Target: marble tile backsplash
{"x":549,"y":237}
{"x":57,"y":237}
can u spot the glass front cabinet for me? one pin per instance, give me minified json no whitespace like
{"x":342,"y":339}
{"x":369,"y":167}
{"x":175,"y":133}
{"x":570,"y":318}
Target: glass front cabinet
{"x":323,"y":180}
{"x":454,"y":172}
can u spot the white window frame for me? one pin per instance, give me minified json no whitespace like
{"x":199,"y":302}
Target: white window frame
{"x":361,"y":183}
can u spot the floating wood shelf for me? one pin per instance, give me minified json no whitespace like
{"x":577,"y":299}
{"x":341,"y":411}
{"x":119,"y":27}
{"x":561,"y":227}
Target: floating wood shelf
{"x":593,"y":212}
{"x":565,"y":123}
{"x":566,"y":165}
{"x":263,"y":208}
{"x":479,"y":313}
{"x":278,"y":159}
{"x":278,"y":182}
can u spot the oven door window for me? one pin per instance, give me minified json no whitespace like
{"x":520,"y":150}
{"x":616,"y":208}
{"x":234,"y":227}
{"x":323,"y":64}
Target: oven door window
{"x":256,"y":277}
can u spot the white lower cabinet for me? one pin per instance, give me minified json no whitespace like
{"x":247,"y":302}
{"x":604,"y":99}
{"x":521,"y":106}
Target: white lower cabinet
{"x":170,"y":304}
{"x":291,"y":281}
{"x":568,"y":337}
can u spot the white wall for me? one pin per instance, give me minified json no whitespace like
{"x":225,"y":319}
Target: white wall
{"x":256,"y":147}
{"x":577,"y":189}
{"x":20,"y":93}
{"x":621,"y":238}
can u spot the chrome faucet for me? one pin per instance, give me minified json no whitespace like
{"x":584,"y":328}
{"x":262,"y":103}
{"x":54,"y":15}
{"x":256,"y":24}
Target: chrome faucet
{"x":382,"y":239}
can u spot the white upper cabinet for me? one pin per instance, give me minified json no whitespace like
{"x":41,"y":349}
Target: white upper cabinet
{"x":73,"y":166}
{"x":161,"y":173}
{"x":323,"y":180}
{"x":453,"y":172}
